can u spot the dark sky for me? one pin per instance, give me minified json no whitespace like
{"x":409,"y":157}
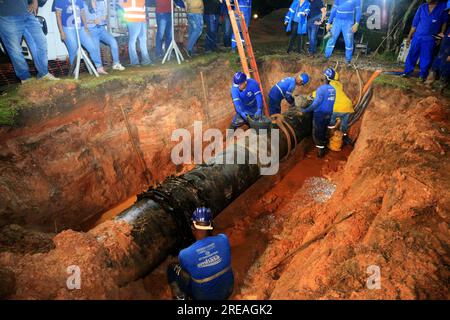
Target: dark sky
{"x":266,"y":6}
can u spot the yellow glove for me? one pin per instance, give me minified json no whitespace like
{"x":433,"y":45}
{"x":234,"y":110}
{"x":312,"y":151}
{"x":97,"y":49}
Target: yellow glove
{"x":329,"y":26}
{"x":355,"y":27}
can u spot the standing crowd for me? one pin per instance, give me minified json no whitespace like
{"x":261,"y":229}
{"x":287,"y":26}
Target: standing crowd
{"x":18,"y":20}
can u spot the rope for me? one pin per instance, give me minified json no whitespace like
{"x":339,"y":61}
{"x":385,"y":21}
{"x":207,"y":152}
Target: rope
{"x":288,"y":131}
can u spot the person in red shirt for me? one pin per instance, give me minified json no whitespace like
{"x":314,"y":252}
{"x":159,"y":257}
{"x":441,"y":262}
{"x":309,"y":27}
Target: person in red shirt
{"x":164,"y":23}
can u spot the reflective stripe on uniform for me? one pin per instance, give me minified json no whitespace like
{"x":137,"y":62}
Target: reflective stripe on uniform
{"x":280,"y":91}
{"x":214,"y":276}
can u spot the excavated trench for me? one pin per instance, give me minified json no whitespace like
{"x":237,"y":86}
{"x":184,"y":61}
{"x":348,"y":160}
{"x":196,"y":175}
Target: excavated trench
{"x":78,"y":163}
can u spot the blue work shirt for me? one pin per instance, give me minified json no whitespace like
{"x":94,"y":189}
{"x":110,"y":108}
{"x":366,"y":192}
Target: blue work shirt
{"x":208,"y":261}
{"x":249,"y":100}
{"x":316,"y":7}
{"x":67,"y":16}
{"x":100,"y":13}
{"x":324,"y":101}
{"x":427,"y":23}
{"x":349,"y":10}
{"x":243,"y":4}
{"x":13,"y":7}
{"x":283,"y":90}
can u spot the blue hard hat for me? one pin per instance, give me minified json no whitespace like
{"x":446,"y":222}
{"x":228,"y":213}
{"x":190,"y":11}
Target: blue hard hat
{"x":305,"y":78}
{"x":239,"y":78}
{"x":204,"y":216}
{"x":329,"y":73}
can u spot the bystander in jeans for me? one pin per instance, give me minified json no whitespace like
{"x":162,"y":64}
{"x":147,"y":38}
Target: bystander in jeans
{"x":211,"y":16}
{"x":194,"y":9}
{"x":17,"y":21}
{"x":66,"y":23}
{"x":96,"y":15}
{"x":164,"y":23}
{"x":134,"y":14}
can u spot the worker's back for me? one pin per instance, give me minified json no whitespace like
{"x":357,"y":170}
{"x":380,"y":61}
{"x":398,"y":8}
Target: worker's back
{"x":208,"y":261}
{"x":343,"y":103}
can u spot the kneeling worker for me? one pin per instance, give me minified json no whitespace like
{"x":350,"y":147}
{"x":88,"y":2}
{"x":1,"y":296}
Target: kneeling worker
{"x":204,"y":270}
{"x":322,"y":106}
{"x":343,"y":108}
{"x":247,"y":99}
{"x":284,"y":90}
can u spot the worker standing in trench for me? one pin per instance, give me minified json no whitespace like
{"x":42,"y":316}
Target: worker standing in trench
{"x":247,"y":100}
{"x":322,"y":108}
{"x":343,"y":108}
{"x":204,"y":270}
{"x":284,"y":90}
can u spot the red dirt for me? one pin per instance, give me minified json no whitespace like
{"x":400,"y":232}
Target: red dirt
{"x":78,"y":162}
{"x":394,"y":186}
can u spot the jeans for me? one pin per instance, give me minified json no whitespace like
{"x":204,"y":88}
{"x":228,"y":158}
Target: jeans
{"x":227,"y":30}
{"x":195,"y":21}
{"x":344,"y":120}
{"x":344,"y":26}
{"x":212,"y":24}
{"x":313,"y":29}
{"x":100,"y":34}
{"x":138,"y":30}
{"x":320,"y":125}
{"x":164,"y":22}
{"x":422,"y":49}
{"x":12,"y":28}
{"x":86,"y":42}
{"x":295,"y":37}
{"x":247,"y":12}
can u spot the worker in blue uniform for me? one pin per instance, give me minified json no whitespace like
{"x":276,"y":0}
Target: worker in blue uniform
{"x":204,"y":270}
{"x":246,"y":9}
{"x":322,"y":108}
{"x":344,"y":17}
{"x":430,"y":19}
{"x":284,"y":90}
{"x":296,"y":23}
{"x":441,"y":64}
{"x":247,"y":99}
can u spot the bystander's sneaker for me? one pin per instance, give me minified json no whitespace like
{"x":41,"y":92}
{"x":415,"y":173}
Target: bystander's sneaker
{"x":26,"y":80}
{"x":101,"y":71}
{"x":118,"y":66}
{"x":50,"y":77}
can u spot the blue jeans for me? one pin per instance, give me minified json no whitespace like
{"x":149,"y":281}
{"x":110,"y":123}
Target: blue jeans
{"x":422,"y":49}
{"x":212,"y":24}
{"x":344,"y":120}
{"x":227,"y":30}
{"x":164,"y":22}
{"x":138,"y":30}
{"x":86,"y":42}
{"x":100,"y":34}
{"x":195,"y":21}
{"x":320,"y":125}
{"x":344,"y":26}
{"x":313,"y":29}
{"x":12,"y":29}
{"x":247,"y":12}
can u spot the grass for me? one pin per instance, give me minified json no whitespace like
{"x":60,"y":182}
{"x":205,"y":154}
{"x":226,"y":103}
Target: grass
{"x":9,"y":103}
{"x":393,"y":81}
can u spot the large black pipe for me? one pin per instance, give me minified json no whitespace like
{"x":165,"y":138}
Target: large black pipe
{"x":159,"y":219}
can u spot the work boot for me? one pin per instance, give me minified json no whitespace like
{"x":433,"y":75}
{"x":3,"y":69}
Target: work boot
{"x":430,"y":79}
{"x":320,"y":152}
